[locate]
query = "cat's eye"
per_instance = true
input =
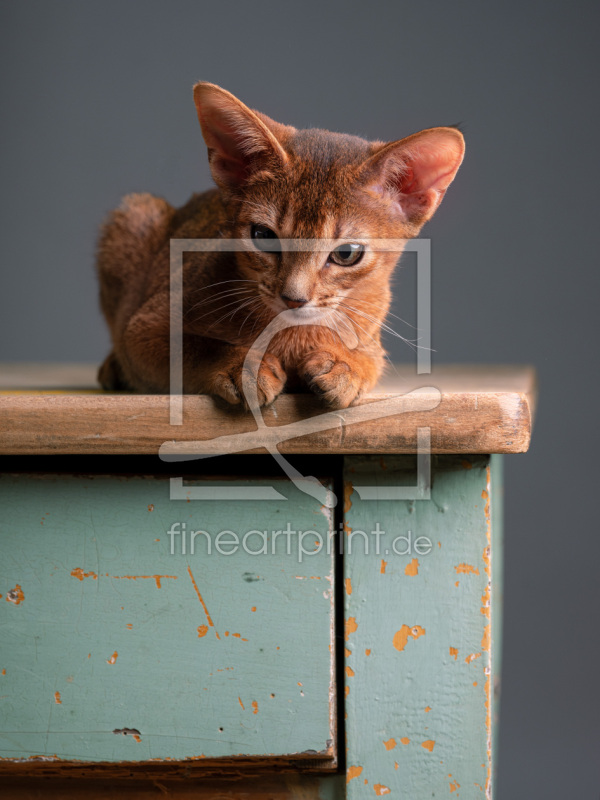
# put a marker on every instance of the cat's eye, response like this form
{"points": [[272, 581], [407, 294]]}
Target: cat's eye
{"points": [[265, 239], [346, 255]]}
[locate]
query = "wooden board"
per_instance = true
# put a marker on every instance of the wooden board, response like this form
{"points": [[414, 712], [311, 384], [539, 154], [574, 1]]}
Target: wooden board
{"points": [[123, 644], [422, 630], [466, 409]]}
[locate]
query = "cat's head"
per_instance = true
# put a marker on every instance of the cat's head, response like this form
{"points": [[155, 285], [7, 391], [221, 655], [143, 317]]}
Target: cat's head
{"points": [[330, 193]]}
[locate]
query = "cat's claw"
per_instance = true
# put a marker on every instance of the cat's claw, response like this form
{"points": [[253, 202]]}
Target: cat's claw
{"points": [[268, 381], [333, 379]]}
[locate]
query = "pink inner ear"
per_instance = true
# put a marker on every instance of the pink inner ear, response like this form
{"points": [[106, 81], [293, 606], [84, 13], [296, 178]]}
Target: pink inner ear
{"points": [[430, 164]]}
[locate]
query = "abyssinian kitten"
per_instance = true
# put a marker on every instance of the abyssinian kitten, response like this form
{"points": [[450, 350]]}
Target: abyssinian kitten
{"points": [[274, 182]]}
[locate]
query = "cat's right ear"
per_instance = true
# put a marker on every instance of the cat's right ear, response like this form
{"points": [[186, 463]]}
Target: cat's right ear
{"points": [[417, 170], [239, 142]]}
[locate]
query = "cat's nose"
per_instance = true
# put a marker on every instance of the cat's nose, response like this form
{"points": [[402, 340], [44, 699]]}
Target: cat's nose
{"points": [[291, 303]]}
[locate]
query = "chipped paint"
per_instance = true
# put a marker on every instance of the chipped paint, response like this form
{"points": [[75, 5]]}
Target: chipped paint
{"points": [[405, 740], [406, 631], [242, 705], [380, 789], [80, 574], [348, 489], [453, 652], [202, 603], [349, 672], [254, 707], [427, 709], [429, 744], [454, 785], [57, 699], [412, 569], [353, 772], [151, 507], [202, 630], [348, 585], [136, 737], [253, 608], [368, 651], [466, 569], [350, 626], [113, 658], [383, 566], [390, 744], [471, 657], [15, 595]]}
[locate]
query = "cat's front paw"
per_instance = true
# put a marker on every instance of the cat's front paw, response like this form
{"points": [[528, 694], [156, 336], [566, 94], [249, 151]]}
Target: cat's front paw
{"points": [[269, 380], [338, 380]]}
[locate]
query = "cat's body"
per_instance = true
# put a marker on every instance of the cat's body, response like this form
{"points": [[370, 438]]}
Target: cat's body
{"points": [[274, 183]]}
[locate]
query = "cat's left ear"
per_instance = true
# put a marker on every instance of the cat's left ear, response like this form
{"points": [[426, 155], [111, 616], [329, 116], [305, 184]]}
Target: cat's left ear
{"points": [[417, 170]]}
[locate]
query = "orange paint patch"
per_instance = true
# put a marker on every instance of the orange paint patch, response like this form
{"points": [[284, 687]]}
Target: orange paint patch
{"points": [[466, 569], [129, 625], [486, 639], [383, 566], [349, 672], [368, 651], [3, 672], [474, 683], [429, 745], [240, 702], [427, 709], [454, 786], [401, 637], [254, 707], [353, 772], [348, 585], [346, 691], [57, 699], [80, 574], [454, 652], [347, 652], [350, 626], [202, 630], [380, 789], [151, 507], [390, 744], [253, 608], [412, 569], [405, 740], [457, 583], [471, 657], [395, 765], [113, 658], [136, 737], [348, 489]]}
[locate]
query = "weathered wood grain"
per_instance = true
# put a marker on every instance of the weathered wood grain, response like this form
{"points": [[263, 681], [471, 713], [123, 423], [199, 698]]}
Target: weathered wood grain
{"points": [[467, 409]]}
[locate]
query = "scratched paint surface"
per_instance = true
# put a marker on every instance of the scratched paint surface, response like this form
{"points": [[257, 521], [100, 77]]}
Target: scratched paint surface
{"points": [[419, 682], [114, 649]]}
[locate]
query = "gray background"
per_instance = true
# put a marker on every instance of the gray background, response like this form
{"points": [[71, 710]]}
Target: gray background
{"points": [[96, 102]]}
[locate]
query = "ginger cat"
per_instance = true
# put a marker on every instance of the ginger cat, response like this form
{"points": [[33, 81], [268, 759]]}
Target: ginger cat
{"points": [[274, 182]]}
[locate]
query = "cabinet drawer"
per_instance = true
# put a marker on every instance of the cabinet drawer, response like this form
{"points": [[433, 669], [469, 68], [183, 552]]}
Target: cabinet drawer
{"points": [[127, 639]]}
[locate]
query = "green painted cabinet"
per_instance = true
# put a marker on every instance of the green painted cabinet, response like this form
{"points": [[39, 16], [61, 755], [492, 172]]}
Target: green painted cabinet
{"points": [[230, 635]]}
